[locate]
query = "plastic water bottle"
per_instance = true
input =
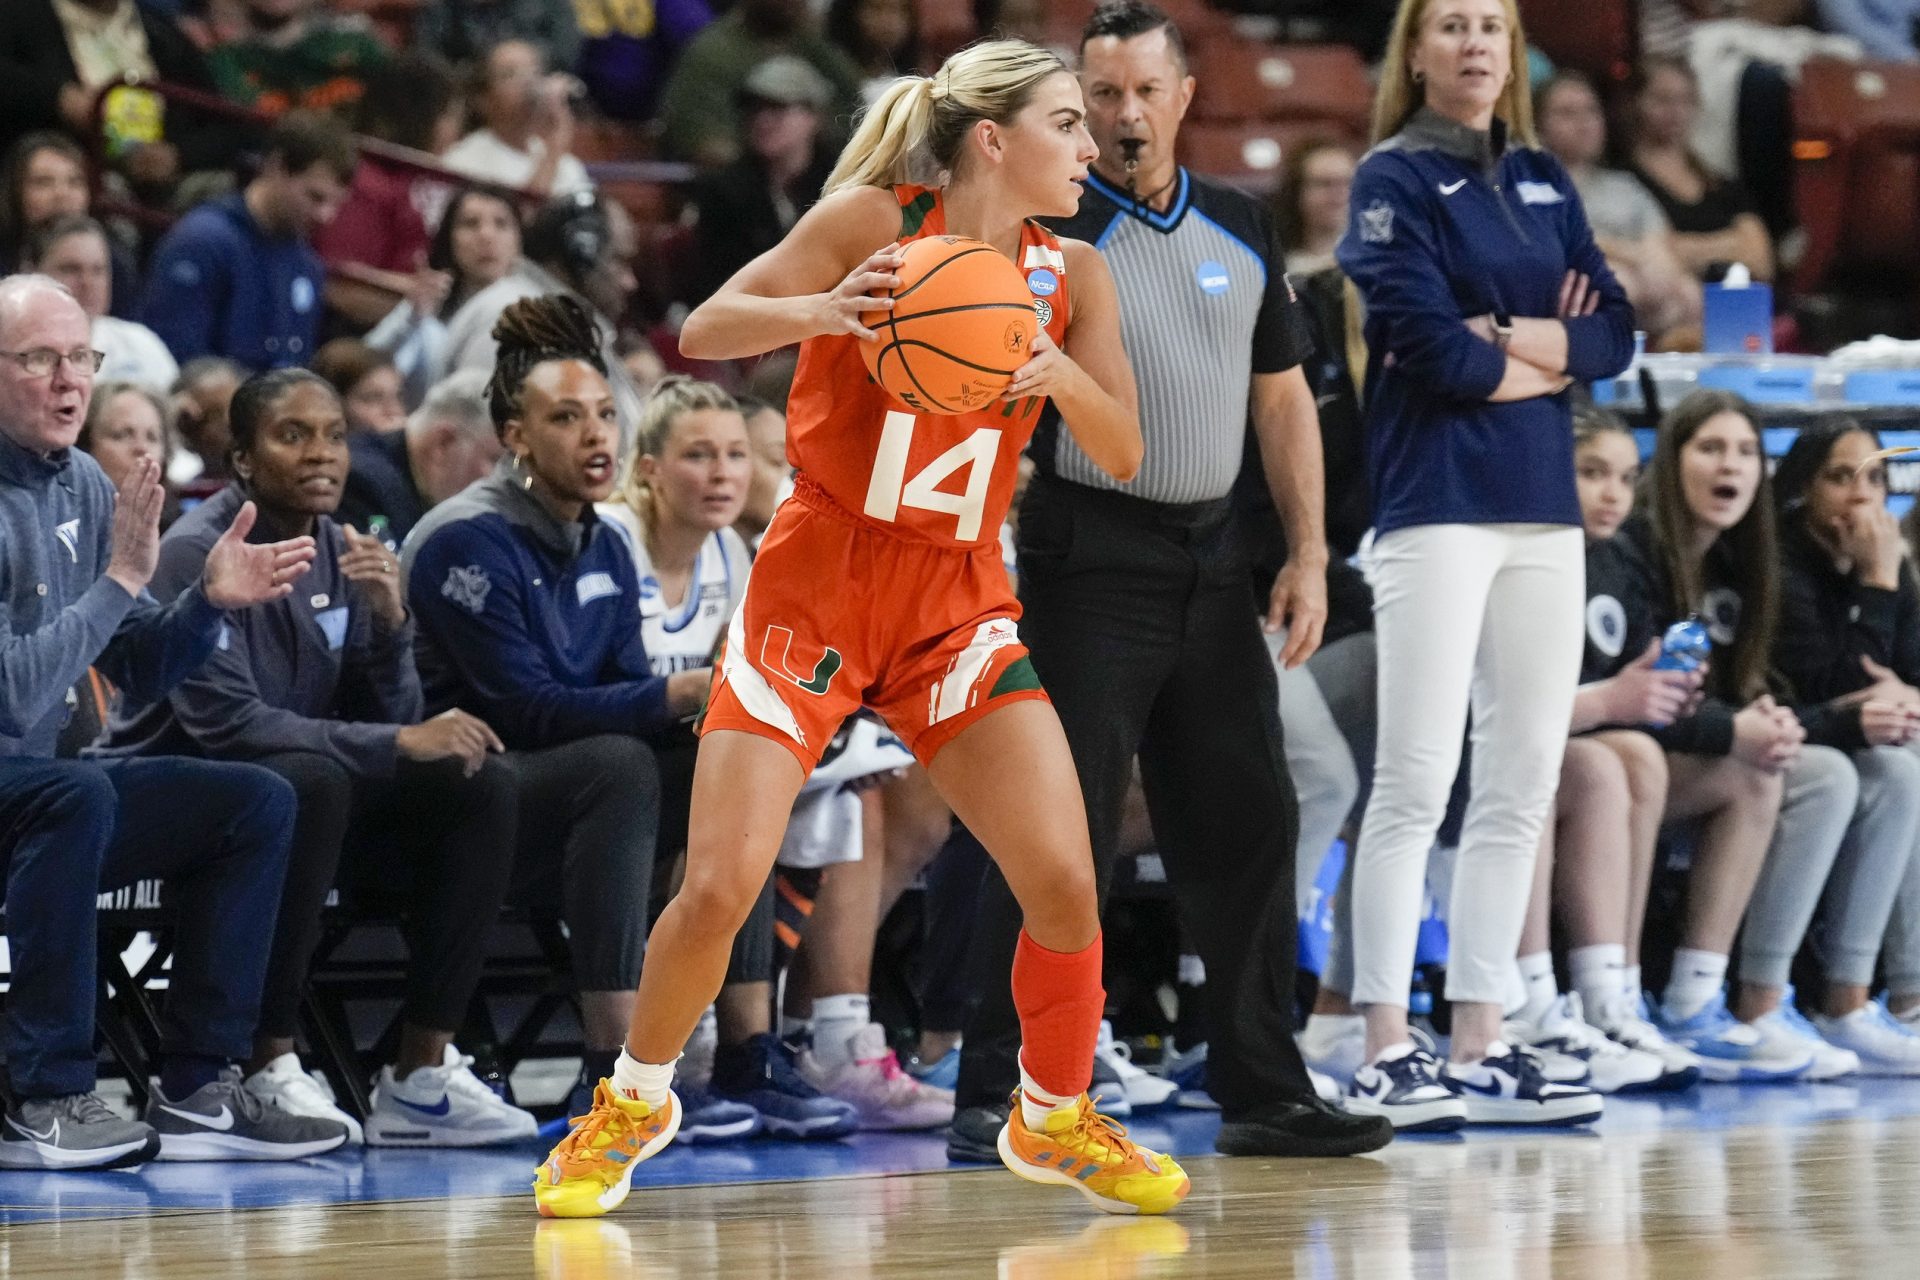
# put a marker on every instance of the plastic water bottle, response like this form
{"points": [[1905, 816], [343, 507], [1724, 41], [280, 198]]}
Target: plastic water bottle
{"points": [[1685, 646]]}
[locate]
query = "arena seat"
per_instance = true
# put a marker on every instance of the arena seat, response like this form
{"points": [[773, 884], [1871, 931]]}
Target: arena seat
{"points": [[1857, 171], [1599, 37], [1257, 80], [1250, 154]]}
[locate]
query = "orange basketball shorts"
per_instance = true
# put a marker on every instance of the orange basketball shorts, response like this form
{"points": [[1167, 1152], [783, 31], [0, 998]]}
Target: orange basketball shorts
{"points": [[838, 616]]}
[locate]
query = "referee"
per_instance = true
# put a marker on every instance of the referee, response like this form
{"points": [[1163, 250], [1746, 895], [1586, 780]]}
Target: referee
{"points": [[1136, 608]]}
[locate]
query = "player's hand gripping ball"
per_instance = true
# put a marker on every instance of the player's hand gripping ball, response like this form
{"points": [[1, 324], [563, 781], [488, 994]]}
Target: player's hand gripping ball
{"points": [[962, 322]]}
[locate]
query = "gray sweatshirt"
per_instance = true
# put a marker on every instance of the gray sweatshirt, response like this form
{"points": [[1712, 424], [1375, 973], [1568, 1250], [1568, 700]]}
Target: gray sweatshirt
{"points": [[60, 613], [312, 672]]}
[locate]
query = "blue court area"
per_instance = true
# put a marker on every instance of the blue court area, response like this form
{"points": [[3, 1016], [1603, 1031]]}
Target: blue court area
{"points": [[371, 1175]]}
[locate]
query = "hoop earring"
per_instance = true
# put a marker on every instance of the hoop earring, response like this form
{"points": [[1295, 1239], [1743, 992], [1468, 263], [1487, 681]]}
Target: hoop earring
{"points": [[520, 468]]}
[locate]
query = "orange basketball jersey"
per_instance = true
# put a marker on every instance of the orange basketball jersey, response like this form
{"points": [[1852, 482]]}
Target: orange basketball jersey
{"points": [[932, 478]]}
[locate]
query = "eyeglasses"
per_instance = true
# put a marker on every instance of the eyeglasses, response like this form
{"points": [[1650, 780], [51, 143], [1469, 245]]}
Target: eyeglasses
{"points": [[41, 361]]}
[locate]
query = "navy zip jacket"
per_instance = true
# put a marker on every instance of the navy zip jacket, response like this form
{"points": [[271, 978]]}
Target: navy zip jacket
{"points": [[1449, 223], [531, 624], [60, 613], [310, 672], [1829, 620], [219, 285]]}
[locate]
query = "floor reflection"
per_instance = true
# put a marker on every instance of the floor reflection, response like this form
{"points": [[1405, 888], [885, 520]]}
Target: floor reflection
{"points": [[1807, 1195]]}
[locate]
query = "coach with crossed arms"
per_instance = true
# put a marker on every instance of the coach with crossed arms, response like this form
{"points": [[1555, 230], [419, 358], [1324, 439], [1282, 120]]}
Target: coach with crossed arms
{"points": [[1135, 600]]}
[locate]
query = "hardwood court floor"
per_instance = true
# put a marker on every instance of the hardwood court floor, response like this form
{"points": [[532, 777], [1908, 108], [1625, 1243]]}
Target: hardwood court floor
{"points": [[1798, 1188]]}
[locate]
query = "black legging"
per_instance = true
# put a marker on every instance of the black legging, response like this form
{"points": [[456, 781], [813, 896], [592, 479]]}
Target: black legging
{"points": [[444, 839]]}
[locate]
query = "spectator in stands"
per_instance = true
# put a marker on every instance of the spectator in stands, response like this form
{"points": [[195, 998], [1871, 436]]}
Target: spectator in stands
{"points": [[78, 558], [55, 57], [1012, 20], [1887, 27], [476, 244], [626, 50], [577, 245], [1707, 547], [527, 138], [528, 617], [201, 398], [238, 277], [380, 233], [881, 36], [1849, 645], [464, 30], [1628, 223], [448, 443], [73, 249], [127, 422], [368, 385], [321, 689], [772, 477], [748, 207], [699, 113], [297, 55], [1310, 208], [45, 177], [1713, 218]]}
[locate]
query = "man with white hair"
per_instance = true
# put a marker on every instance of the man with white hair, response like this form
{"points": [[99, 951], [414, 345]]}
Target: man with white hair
{"points": [[449, 442], [75, 559]]}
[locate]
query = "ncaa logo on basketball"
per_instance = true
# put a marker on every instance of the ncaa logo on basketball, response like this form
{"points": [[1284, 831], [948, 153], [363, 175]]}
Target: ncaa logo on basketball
{"points": [[1043, 283], [1043, 311], [1212, 278]]}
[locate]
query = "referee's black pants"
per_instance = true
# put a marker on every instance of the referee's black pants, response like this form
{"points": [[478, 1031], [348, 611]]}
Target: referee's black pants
{"points": [[1143, 634]]}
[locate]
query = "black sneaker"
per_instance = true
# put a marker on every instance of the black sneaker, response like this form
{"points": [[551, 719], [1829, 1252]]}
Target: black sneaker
{"points": [[73, 1131], [974, 1136], [761, 1075], [1302, 1127], [223, 1121]]}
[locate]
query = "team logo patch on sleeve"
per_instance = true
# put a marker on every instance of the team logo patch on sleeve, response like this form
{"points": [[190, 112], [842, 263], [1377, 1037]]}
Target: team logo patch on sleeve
{"points": [[593, 586], [1539, 193], [467, 586], [1376, 223]]}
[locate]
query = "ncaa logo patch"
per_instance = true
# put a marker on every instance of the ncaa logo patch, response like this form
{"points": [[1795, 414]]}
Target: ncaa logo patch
{"points": [[1212, 278], [1042, 283], [1043, 311], [1606, 625]]}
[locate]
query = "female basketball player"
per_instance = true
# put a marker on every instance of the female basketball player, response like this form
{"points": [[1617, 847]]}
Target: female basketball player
{"points": [[880, 584]]}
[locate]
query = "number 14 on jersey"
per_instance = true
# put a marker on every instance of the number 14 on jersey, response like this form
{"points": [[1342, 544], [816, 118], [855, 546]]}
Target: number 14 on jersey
{"points": [[891, 489]]}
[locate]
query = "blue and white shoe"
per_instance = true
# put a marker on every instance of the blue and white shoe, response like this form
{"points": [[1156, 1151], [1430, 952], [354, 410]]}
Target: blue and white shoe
{"points": [[1786, 1027], [706, 1117], [1506, 1087], [443, 1106], [942, 1073], [1885, 1045], [1403, 1084], [1732, 1052], [762, 1075]]}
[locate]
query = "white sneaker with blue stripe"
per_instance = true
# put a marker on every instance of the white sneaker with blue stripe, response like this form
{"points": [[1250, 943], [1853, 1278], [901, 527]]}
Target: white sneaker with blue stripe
{"points": [[1403, 1084], [1885, 1045], [443, 1106], [1786, 1027], [1731, 1051], [1507, 1087]]}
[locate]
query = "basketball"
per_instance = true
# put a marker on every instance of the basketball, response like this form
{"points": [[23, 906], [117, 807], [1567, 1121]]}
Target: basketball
{"points": [[962, 322]]}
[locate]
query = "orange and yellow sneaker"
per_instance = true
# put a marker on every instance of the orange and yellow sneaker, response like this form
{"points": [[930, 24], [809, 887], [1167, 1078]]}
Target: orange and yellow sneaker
{"points": [[1087, 1151], [589, 1173]]}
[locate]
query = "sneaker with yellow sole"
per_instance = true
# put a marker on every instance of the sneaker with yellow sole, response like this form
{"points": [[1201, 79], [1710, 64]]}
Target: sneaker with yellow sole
{"points": [[1087, 1151], [591, 1170]]}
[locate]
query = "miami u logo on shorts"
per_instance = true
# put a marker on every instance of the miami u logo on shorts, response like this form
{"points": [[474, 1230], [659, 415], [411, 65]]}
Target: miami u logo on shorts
{"points": [[776, 655]]}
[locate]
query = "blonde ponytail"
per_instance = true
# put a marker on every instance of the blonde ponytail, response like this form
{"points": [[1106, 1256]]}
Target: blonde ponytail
{"points": [[881, 150], [919, 126]]}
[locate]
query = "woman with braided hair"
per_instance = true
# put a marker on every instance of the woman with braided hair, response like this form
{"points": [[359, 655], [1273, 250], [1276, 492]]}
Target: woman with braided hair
{"points": [[525, 606], [868, 592]]}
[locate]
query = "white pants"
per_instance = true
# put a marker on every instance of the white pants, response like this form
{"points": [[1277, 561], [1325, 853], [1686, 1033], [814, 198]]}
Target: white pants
{"points": [[1488, 616]]}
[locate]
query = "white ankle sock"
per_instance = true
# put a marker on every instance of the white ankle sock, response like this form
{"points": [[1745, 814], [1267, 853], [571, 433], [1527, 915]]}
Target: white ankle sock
{"points": [[1599, 975], [1036, 1104], [1542, 988], [1697, 977], [836, 1020], [643, 1081]]}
